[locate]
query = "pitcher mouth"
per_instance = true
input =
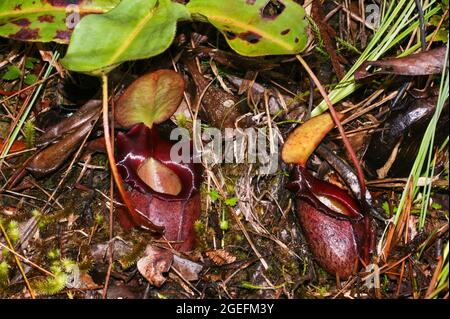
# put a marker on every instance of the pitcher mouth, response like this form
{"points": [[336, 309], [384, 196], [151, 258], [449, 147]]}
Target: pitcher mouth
{"points": [[325, 197], [141, 143]]}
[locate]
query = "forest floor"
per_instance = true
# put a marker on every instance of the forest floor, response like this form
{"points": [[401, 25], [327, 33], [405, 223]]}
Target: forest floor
{"points": [[248, 241]]}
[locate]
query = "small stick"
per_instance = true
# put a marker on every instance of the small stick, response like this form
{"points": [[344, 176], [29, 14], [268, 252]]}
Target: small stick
{"points": [[110, 244]]}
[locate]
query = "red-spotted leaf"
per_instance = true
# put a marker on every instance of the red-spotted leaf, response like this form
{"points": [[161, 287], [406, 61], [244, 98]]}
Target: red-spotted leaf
{"points": [[256, 27], [46, 20], [151, 99]]}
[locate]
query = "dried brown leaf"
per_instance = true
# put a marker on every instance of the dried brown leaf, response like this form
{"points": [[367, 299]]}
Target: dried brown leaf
{"points": [[220, 257], [155, 265]]}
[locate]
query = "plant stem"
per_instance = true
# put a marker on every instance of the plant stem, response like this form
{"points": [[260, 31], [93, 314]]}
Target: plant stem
{"points": [[338, 123], [111, 220], [109, 145]]}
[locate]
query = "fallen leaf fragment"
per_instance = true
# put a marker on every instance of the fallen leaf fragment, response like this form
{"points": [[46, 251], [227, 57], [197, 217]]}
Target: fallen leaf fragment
{"points": [[86, 113], [54, 156], [188, 269], [423, 63], [17, 146], [220, 257], [155, 265]]}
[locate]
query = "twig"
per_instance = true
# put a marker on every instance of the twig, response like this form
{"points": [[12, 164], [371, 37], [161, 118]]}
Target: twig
{"points": [[325, 30], [110, 243], [20, 119], [433, 36], [10, 95], [185, 280], [69, 168]]}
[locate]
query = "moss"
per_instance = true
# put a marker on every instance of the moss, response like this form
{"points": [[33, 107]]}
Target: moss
{"points": [[51, 285], [53, 254], [12, 229], [29, 133], [4, 273], [132, 257], [199, 227]]}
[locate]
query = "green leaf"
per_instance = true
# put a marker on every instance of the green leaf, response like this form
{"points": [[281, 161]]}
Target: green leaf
{"points": [[214, 195], [151, 99], [12, 73], [135, 29], [29, 63], [224, 225], [46, 20], [256, 27], [385, 206], [436, 206], [441, 36], [434, 20], [30, 79], [231, 201]]}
